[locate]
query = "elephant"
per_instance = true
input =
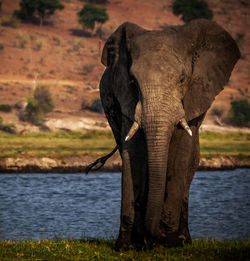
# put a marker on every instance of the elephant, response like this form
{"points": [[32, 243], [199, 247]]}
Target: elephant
{"points": [[156, 89]]}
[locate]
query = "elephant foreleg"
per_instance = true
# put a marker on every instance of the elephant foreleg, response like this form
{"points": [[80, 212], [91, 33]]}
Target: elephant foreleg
{"points": [[174, 221], [134, 191]]}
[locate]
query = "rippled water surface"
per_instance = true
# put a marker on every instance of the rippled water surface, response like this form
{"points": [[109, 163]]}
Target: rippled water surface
{"points": [[48, 206]]}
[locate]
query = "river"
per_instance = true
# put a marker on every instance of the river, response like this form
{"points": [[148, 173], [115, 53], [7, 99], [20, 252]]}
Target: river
{"points": [[63, 206]]}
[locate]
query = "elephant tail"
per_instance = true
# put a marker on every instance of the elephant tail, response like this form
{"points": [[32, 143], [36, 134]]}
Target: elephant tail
{"points": [[100, 162]]}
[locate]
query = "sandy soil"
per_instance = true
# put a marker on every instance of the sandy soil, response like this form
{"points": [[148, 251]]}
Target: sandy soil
{"points": [[69, 57]]}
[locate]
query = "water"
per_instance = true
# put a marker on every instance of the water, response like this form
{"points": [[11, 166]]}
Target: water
{"points": [[49, 206]]}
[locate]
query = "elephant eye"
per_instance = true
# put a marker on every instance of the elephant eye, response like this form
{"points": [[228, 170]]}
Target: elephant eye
{"points": [[134, 86]]}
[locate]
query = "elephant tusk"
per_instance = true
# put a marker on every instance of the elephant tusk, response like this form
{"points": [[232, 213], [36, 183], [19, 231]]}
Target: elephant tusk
{"points": [[184, 124], [132, 131]]}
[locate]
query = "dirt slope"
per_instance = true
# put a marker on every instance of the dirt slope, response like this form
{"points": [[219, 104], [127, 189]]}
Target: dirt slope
{"points": [[67, 58]]}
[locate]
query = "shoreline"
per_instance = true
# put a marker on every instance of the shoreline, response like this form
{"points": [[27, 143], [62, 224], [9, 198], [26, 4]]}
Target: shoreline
{"points": [[114, 164]]}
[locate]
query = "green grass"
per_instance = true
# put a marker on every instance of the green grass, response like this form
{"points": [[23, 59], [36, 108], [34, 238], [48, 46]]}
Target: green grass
{"points": [[55, 145], [60, 145], [104, 250], [225, 144]]}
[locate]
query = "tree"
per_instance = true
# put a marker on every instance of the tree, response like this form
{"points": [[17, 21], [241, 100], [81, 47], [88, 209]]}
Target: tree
{"points": [[90, 14], [96, 1], [239, 113], [43, 8], [192, 9]]}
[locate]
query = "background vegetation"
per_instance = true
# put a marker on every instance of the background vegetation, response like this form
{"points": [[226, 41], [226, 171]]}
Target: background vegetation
{"points": [[239, 114], [42, 8], [38, 105], [90, 15], [62, 144], [192, 9]]}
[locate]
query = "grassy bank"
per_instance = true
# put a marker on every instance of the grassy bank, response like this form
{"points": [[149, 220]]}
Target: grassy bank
{"points": [[61, 145], [104, 250]]}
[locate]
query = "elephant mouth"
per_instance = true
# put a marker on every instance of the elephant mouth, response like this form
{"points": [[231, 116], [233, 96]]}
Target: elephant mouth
{"points": [[136, 124]]}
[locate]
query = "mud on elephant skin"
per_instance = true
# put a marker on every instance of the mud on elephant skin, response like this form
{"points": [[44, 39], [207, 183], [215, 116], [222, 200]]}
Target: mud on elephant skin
{"points": [[155, 92]]}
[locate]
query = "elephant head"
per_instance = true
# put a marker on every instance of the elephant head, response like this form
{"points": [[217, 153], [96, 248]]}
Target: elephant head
{"points": [[162, 80]]}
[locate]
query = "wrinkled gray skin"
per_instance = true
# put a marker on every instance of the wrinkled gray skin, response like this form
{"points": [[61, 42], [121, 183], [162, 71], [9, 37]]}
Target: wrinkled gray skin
{"points": [[157, 78]]}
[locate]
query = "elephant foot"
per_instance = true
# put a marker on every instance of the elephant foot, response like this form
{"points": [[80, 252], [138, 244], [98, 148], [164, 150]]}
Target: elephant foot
{"points": [[128, 241], [172, 239], [122, 244]]}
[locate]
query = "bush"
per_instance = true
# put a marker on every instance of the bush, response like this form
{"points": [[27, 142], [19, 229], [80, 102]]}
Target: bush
{"points": [[85, 105], [57, 40], [44, 98], [39, 44], [38, 105], [239, 113], [10, 21], [1, 46], [10, 128], [96, 1], [96, 106], [77, 45], [192, 9], [5, 107], [217, 110], [21, 40], [33, 114]]}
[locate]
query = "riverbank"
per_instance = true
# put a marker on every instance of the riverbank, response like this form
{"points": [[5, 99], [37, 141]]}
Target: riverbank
{"points": [[64, 152], [114, 164], [104, 250]]}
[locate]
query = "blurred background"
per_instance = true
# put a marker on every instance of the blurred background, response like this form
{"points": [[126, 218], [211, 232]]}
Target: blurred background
{"points": [[50, 64]]}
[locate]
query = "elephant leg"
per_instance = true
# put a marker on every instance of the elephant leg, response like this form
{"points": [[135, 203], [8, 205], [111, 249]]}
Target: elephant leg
{"points": [[175, 206], [127, 204], [134, 186], [183, 228]]}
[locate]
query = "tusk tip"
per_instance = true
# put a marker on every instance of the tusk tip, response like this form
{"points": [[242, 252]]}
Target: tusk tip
{"points": [[127, 138], [190, 132]]}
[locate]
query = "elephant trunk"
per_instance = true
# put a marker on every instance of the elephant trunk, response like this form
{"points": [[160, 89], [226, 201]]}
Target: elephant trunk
{"points": [[158, 132]]}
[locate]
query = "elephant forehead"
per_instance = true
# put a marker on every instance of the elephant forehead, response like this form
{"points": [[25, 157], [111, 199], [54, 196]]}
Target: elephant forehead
{"points": [[156, 41], [158, 48]]}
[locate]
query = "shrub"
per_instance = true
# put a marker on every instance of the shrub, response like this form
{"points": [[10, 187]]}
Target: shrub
{"points": [[192, 9], [1, 46], [217, 110], [33, 114], [85, 105], [77, 45], [21, 39], [1, 120], [5, 107], [43, 96], [88, 68], [10, 21], [96, 106], [90, 14], [57, 40], [38, 105], [96, 1], [39, 44], [239, 113]]}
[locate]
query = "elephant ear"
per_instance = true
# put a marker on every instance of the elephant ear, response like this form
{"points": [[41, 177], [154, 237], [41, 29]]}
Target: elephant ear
{"points": [[213, 54], [112, 47]]}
